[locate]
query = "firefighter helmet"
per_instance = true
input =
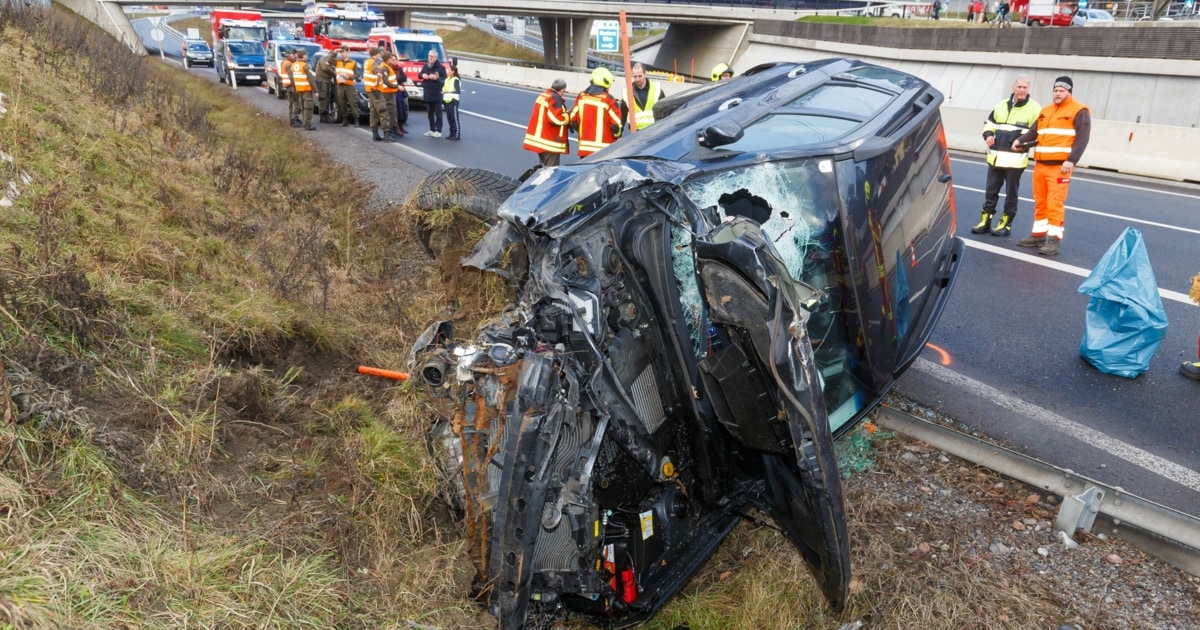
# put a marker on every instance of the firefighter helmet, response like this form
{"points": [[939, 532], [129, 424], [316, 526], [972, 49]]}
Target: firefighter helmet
{"points": [[720, 70], [602, 77]]}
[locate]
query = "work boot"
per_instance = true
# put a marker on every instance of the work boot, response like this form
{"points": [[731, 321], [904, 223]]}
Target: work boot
{"points": [[375, 135], [1033, 240], [296, 122], [346, 122], [1190, 369], [391, 137], [1051, 247], [985, 223], [312, 127], [402, 129], [1004, 227]]}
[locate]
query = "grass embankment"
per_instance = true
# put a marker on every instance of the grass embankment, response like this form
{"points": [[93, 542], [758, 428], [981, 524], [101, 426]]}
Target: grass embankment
{"points": [[473, 40], [185, 288]]}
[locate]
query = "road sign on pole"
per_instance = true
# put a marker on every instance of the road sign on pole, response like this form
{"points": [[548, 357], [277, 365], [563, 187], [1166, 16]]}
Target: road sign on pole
{"points": [[606, 40]]}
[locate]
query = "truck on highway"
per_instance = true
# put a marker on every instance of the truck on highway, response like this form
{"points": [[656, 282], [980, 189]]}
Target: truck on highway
{"points": [[412, 48], [1043, 12], [230, 24], [346, 25]]}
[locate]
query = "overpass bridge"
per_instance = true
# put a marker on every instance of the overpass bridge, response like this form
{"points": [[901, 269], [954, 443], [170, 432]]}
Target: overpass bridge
{"points": [[705, 34]]}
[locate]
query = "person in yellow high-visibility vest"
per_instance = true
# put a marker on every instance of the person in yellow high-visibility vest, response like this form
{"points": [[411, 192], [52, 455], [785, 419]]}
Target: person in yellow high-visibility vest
{"points": [[645, 94]]}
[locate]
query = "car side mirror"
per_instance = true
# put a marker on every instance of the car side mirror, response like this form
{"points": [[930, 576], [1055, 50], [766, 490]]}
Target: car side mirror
{"points": [[719, 135]]}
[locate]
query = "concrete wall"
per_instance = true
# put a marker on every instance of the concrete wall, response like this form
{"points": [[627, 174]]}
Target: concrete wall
{"points": [[109, 17], [972, 89]]}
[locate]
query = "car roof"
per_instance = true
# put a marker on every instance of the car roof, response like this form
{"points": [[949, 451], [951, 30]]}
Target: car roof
{"points": [[834, 106]]}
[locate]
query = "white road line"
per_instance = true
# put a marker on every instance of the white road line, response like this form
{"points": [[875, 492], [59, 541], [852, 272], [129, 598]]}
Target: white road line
{"points": [[1118, 217], [1166, 294], [1132, 454], [1104, 182], [505, 122]]}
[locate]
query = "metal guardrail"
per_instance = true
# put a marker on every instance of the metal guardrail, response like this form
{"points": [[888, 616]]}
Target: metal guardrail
{"points": [[1156, 529]]}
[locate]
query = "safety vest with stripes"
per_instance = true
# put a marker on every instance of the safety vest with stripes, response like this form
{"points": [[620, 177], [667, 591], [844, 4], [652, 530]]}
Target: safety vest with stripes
{"points": [[344, 71], [1056, 131], [1007, 123], [452, 90], [547, 129], [370, 77], [387, 79], [300, 76], [599, 120], [285, 73], [643, 116]]}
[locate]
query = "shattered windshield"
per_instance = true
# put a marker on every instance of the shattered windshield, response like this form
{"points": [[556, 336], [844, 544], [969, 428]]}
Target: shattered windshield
{"points": [[798, 206]]}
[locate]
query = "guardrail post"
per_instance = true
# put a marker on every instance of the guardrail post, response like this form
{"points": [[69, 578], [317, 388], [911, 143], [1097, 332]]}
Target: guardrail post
{"points": [[1079, 511]]}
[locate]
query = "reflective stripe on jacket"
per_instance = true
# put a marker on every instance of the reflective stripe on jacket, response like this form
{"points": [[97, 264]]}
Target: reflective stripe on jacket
{"points": [[1007, 122], [599, 119], [1056, 131], [285, 73], [370, 77], [387, 79], [644, 116], [300, 76], [452, 89], [547, 129], [344, 71]]}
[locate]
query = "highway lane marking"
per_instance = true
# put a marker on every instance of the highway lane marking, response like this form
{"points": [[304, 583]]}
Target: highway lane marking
{"points": [[1132, 454], [1166, 294], [1101, 214], [504, 122], [1106, 183]]}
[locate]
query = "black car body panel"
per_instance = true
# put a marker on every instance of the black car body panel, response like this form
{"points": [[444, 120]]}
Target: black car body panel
{"points": [[703, 306]]}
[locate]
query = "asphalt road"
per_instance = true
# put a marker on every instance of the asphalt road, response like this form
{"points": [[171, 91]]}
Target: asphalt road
{"points": [[1005, 360]]}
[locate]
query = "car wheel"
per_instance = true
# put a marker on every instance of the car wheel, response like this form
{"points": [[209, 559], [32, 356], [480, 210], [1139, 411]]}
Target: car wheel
{"points": [[186, 65], [478, 192], [333, 114]]}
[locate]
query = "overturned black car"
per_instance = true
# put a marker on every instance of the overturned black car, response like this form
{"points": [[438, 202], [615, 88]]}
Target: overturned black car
{"points": [[701, 309]]}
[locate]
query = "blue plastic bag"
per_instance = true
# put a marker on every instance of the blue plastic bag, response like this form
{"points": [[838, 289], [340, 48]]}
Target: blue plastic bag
{"points": [[1125, 318]]}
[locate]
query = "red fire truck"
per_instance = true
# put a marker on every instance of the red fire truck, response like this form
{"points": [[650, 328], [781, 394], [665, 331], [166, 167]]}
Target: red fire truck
{"points": [[412, 48], [234, 24], [332, 25], [1043, 12]]}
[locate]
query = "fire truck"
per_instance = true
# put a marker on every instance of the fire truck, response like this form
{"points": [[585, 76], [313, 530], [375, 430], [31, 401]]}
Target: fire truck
{"points": [[233, 24], [333, 25], [412, 48], [1043, 12]]}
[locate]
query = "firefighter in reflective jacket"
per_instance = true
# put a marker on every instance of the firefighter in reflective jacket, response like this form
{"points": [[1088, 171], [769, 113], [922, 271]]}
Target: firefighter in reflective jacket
{"points": [[596, 116], [1062, 131], [1009, 119], [645, 94], [546, 133]]}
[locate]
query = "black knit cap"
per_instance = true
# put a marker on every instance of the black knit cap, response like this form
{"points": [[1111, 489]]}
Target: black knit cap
{"points": [[1065, 82]]}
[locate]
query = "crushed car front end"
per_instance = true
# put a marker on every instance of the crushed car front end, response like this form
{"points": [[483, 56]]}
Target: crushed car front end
{"points": [[700, 309]]}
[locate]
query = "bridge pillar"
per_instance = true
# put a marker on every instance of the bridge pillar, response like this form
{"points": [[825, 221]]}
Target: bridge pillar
{"points": [[110, 17], [581, 35], [693, 49], [398, 17]]}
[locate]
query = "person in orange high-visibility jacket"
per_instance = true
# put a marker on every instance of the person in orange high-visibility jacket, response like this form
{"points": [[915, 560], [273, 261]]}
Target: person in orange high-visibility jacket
{"points": [[546, 133], [344, 71], [596, 116], [285, 86], [1062, 131], [303, 80], [371, 85]]}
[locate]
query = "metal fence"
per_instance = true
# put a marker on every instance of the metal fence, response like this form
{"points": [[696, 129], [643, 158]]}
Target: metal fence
{"points": [[1147, 43]]}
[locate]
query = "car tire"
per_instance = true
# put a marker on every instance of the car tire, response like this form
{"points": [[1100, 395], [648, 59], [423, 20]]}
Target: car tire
{"points": [[186, 65], [478, 191], [270, 88]]}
